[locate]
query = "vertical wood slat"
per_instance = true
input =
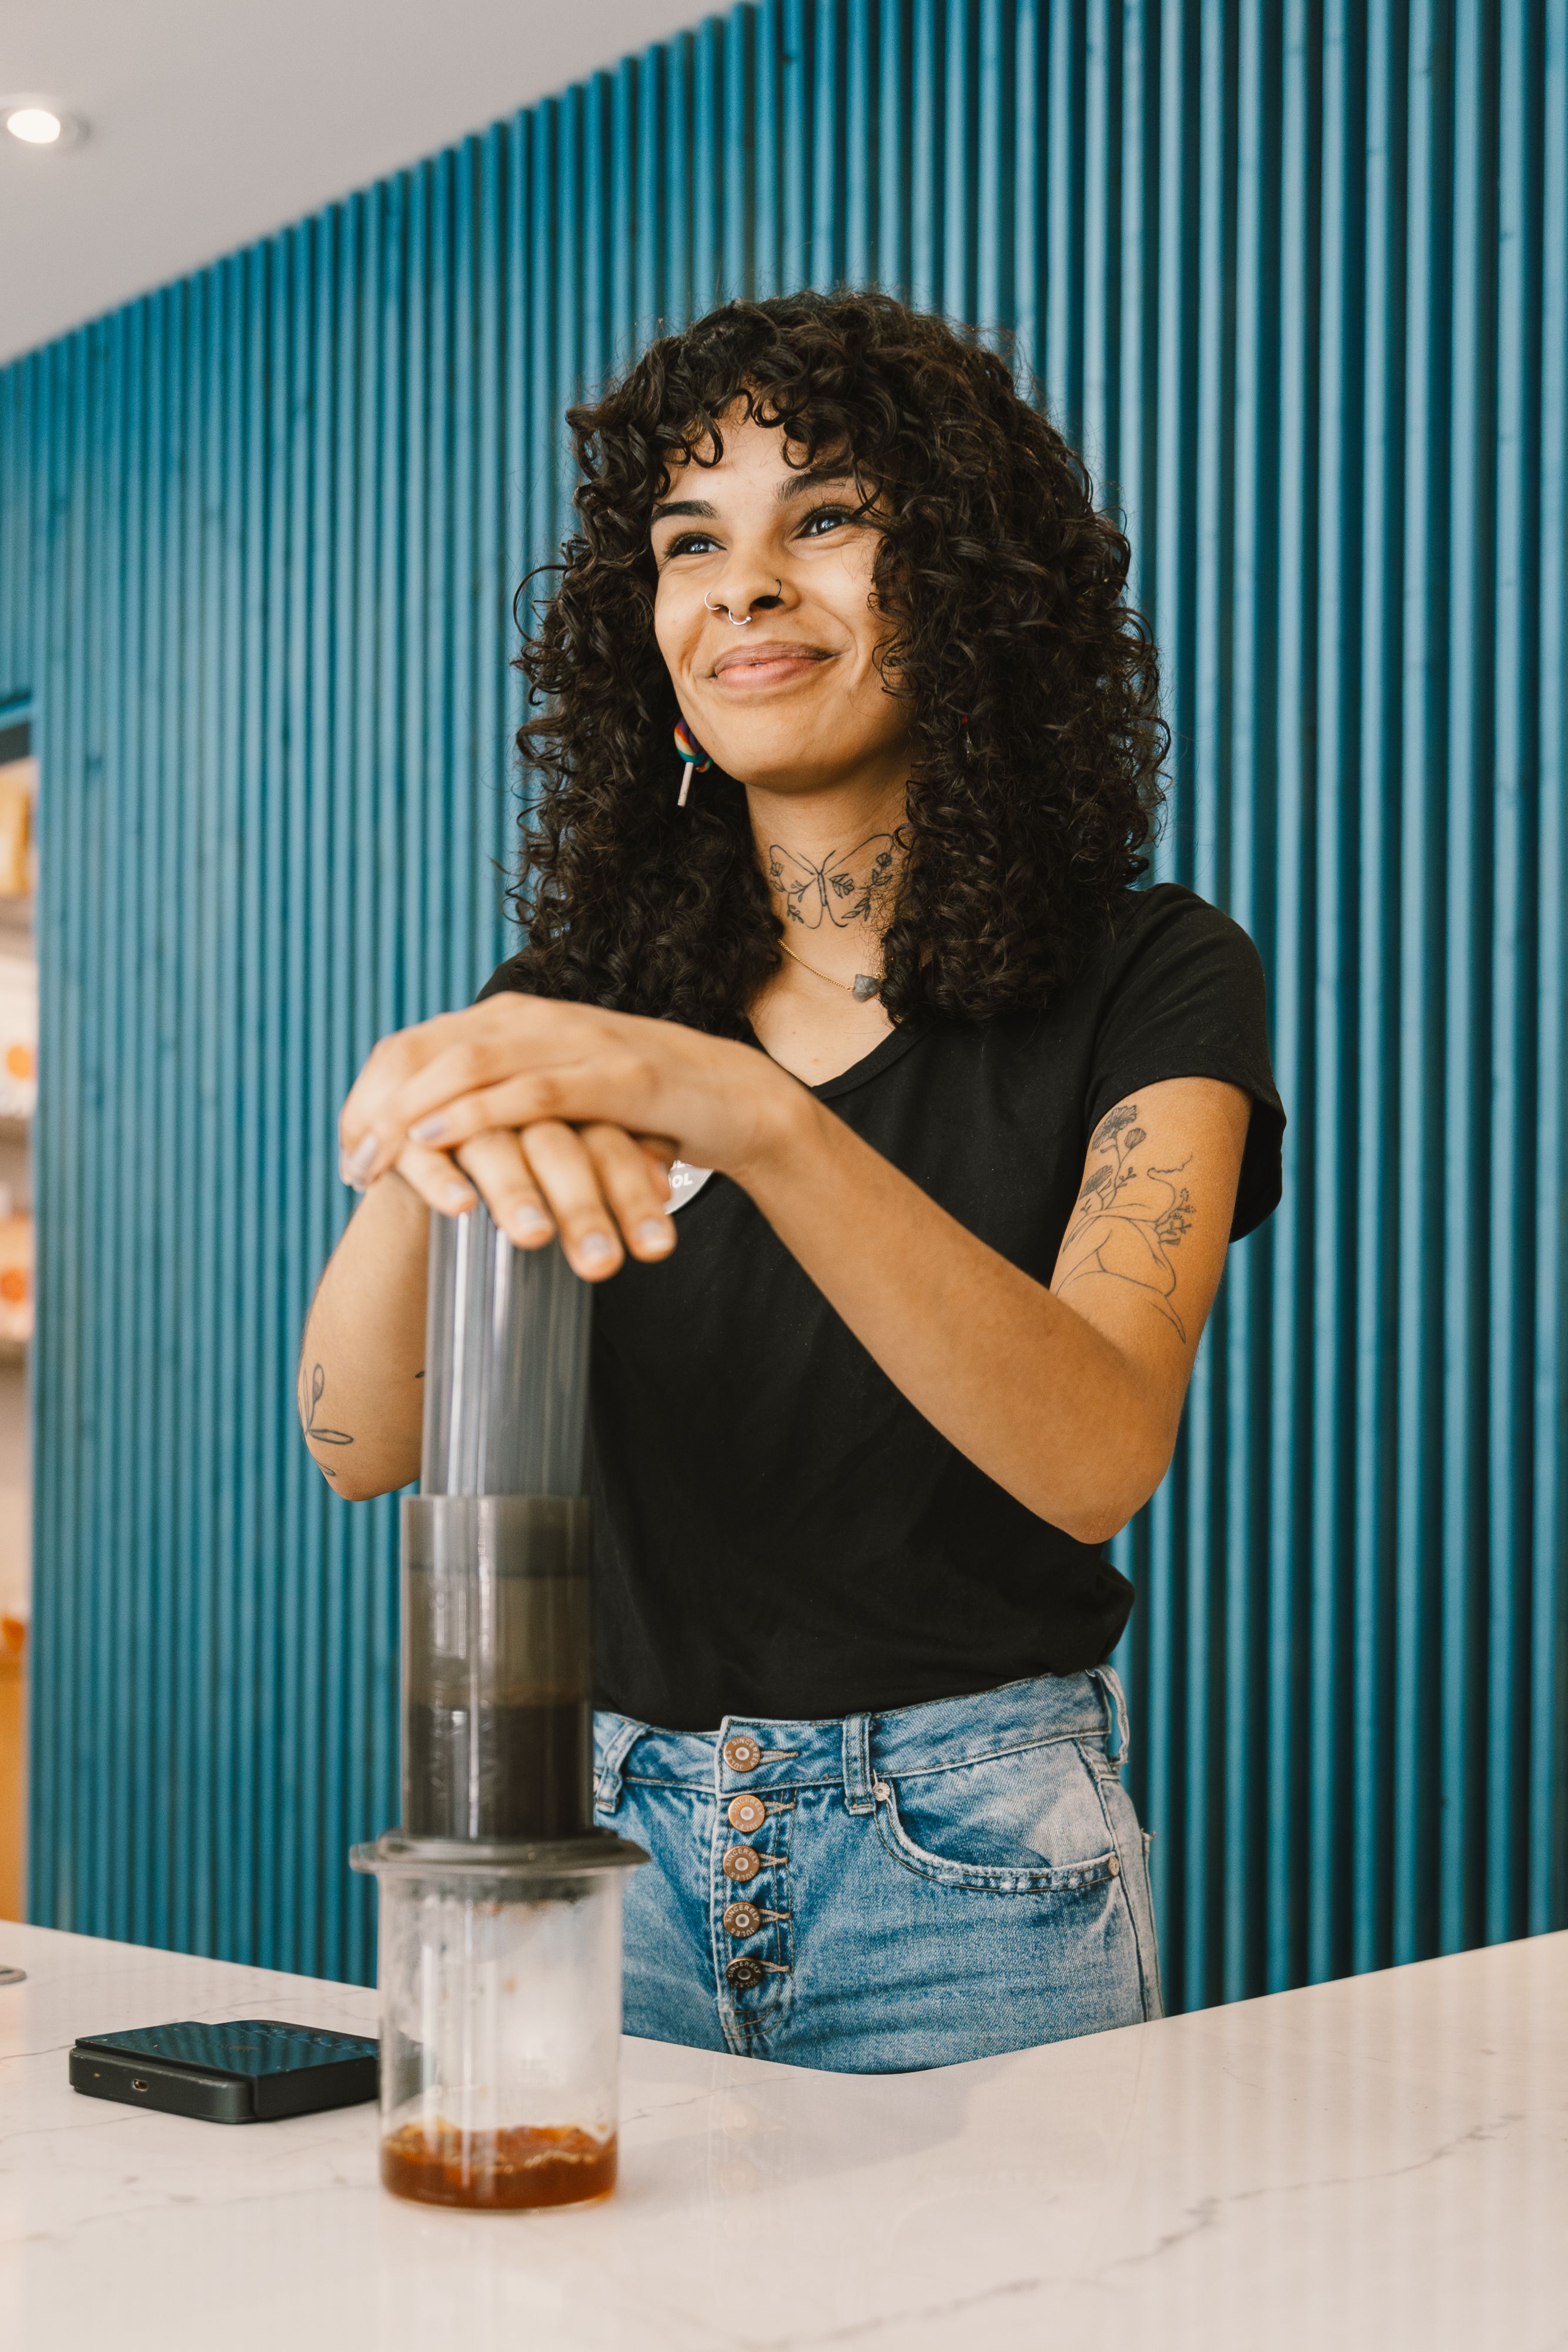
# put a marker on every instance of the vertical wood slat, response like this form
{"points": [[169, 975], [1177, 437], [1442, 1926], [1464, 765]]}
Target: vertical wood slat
{"points": [[1298, 278]]}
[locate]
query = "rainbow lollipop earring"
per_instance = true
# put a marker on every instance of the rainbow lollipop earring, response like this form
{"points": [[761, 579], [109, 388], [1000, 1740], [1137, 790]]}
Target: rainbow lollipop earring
{"points": [[691, 752]]}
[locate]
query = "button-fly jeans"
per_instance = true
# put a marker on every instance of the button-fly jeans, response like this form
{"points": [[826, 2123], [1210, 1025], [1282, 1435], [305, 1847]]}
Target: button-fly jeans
{"points": [[886, 1892]]}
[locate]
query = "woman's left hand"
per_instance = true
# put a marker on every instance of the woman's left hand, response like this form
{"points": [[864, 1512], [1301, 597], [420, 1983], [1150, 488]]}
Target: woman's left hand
{"points": [[538, 1103]]}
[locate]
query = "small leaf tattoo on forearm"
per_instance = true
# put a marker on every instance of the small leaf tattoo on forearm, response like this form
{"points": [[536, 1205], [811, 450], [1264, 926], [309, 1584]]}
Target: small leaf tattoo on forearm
{"points": [[1128, 1220], [309, 1402]]}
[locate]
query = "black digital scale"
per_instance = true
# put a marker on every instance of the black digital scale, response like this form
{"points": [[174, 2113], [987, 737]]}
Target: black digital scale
{"points": [[254, 2070]]}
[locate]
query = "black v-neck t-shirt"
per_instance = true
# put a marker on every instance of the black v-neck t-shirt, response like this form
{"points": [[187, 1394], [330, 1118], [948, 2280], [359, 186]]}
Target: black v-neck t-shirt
{"points": [[778, 1532]]}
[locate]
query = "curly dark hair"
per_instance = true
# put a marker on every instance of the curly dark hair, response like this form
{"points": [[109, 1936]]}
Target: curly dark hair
{"points": [[1032, 686]]}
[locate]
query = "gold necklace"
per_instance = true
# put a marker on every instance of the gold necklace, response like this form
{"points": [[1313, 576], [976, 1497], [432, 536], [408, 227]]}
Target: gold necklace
{"points": [[862, 988]]}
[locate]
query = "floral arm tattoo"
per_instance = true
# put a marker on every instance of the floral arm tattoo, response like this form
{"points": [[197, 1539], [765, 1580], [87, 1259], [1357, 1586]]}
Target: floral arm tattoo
{"points": [[1129, 1217]]}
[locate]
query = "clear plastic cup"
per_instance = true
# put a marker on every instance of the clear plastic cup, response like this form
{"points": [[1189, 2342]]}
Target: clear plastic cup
{"points": [[500, 1984]]}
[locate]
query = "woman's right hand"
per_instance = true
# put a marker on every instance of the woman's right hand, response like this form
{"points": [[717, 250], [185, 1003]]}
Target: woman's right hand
{"points": [[564, 1119], [563, 1116], [601, 1190]]}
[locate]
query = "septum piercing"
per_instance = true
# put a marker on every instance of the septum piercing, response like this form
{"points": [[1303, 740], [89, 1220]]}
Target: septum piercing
{"points": [[746, 618]]}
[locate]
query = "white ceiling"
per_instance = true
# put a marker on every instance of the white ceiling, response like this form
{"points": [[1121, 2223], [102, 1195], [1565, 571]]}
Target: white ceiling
{"points": [[212, 122]]}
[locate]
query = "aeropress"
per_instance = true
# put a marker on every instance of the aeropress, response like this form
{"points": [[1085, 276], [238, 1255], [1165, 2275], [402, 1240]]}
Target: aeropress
{"points": [[499, 1901]]}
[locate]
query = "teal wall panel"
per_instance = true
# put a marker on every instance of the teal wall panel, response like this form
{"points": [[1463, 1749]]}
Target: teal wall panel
{"points": [[1295, 275]]}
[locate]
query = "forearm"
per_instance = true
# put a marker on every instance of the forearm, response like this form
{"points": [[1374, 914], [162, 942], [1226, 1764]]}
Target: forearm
{"points": [[1018, 1381], [363, 1360], [1073, 1406]]}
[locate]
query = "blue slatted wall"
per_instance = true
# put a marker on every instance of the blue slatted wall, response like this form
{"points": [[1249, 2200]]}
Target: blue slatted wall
{"points": [[1297, 277]]}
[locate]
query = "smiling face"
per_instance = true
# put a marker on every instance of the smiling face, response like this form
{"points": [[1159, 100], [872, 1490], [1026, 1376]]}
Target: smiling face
{"points": [[788, 700]]}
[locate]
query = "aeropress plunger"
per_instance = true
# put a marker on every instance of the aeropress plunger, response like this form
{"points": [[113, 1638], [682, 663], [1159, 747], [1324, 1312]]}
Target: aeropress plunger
{"points": [[500, 1902]]}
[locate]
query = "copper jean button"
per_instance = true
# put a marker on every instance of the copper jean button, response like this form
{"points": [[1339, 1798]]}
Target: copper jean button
{"points": [[741, 1862], [745, 1972], [741, 1918], [742, 1755], [746, 1813]]}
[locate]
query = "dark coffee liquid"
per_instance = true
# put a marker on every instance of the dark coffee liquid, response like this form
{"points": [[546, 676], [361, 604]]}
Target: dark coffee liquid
{"points": [[502, 1771], [504, 2171]]}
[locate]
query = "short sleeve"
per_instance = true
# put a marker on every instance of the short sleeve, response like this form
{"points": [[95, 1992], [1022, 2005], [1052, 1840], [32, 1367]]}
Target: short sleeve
{"points": [[1184, 997], [507, 979]]}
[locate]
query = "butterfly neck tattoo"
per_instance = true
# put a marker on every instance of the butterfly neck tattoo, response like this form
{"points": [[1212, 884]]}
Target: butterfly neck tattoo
{"points": [[847, 889]]}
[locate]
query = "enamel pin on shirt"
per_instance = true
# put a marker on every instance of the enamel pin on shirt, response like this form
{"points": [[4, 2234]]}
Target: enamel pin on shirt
{"points": [[685, 1181]]}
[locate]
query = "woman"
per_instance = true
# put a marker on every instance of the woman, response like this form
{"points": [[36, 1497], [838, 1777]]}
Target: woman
{"points": [[979, 1120]]}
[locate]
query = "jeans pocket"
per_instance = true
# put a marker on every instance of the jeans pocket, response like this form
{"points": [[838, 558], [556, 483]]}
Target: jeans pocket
{"points": [[1032, 1822]]}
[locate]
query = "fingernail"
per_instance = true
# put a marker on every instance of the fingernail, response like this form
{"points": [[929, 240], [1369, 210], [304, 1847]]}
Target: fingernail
{"points": [[429, 1130], [656, 1233], [358, 1163], [529, 1225], [594, 1249], [457, 1199]]}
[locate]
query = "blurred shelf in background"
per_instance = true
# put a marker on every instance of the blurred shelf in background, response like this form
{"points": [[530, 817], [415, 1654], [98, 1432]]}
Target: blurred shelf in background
{"points": [[13, 1765], [19, 1088]]}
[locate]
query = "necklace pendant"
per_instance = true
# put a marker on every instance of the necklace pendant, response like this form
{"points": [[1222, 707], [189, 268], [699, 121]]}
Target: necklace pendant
{"points": [[864, 986]]}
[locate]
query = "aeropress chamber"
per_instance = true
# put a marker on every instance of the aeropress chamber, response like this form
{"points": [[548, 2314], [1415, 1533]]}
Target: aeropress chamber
{"points": [[499, 1901]]}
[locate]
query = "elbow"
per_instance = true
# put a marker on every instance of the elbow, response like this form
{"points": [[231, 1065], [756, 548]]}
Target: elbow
{"points": [[353, 1482], [351, 1490], [1096, 1527], [1095, 1518]]}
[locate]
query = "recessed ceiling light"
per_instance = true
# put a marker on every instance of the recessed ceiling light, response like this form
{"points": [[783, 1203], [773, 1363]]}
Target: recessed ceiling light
{"points": [[39, 123]]}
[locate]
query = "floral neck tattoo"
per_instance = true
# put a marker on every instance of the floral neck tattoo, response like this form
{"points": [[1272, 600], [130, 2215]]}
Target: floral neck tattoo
{"points": [[844, 888]]}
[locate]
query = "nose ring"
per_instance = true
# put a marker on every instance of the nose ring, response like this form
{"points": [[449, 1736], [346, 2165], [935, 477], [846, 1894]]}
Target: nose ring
{"points": [[746, 618]]}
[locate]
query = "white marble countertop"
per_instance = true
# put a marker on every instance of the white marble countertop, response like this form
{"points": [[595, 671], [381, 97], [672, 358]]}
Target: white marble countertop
{"points": [[1382, 2163]]}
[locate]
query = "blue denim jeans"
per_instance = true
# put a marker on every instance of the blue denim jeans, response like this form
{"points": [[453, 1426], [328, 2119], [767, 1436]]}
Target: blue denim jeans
{"points": [[887, 1892]]}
